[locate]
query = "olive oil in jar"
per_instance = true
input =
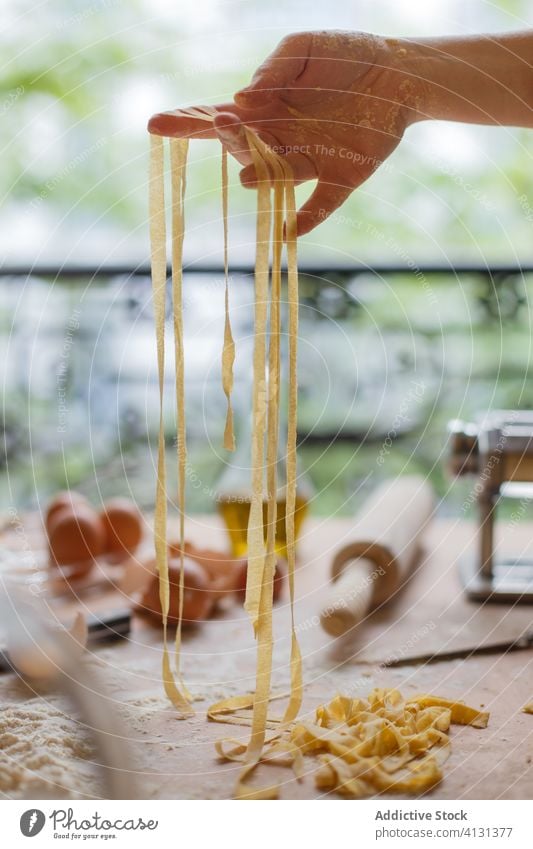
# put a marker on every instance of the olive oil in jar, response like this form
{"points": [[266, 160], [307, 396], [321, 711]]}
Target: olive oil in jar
{"points": [[234, 495], [235, 511]]}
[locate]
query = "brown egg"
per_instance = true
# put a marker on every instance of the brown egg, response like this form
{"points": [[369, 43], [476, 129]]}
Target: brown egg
{"points": [[223, 570], [67, 498], [279, 580], [123, 525], [75, 535], [197, 598]]}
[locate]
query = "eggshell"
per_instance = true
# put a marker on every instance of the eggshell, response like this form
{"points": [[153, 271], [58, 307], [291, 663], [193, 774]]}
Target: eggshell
{"points": [[197, 597], [66, 498], [279, 580], [123, 524], [75, 535], [221, 567]]}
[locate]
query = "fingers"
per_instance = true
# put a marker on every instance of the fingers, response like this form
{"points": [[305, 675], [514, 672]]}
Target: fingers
{"points": [[230, 130], [281, 68], [248, 177], [302, 169], [175, 125], [196, 122], [232, 133], [326, 198]]}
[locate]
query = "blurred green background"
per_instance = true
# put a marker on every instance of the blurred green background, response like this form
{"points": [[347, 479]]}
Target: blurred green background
{"points": [[382, 359]]}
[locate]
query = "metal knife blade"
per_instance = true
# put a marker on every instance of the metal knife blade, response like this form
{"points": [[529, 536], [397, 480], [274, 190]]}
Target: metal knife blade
{"points": [[525, 641]]}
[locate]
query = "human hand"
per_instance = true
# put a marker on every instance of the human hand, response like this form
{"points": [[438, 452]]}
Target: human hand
{"points": [[333, 104]]}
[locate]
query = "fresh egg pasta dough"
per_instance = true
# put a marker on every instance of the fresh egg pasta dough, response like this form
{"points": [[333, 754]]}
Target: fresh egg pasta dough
{"points": [[177, 695], [228, 350], [384, 742], [178, 162], [292, 294]]}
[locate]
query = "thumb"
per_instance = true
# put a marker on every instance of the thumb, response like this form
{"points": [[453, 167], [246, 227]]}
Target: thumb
{"points": [[281, 68], [325, 199]]}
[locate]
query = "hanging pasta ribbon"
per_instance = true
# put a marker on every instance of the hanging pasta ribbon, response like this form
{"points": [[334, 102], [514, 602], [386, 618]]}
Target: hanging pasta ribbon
{"points": [[266, 399], [159, 279], [284, 208], [296, 694], [265, 411], [179, 149], [228, 350], [258, 599], [259, 584]]}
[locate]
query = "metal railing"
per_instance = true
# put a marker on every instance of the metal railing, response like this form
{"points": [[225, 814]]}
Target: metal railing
{"points": [[494, 271], [357, 411], [500, 292]]}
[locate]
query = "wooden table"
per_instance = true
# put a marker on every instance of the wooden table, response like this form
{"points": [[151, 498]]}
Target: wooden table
{"points": [[176, 759]]}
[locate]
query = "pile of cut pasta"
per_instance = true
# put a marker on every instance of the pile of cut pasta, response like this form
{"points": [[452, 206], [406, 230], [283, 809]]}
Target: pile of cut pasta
{"points": [[364, 746], [382, 743]]}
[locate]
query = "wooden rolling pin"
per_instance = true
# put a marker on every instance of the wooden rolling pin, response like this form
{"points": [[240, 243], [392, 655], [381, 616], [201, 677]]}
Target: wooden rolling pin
{"points": [[386, 545]]}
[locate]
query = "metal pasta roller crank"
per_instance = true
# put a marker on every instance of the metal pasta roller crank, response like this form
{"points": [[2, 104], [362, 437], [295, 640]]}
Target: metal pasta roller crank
{"points": [[499, 451]]}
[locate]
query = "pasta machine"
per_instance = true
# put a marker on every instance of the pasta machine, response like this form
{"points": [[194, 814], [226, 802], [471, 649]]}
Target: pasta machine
{"points": [[498, 450]]}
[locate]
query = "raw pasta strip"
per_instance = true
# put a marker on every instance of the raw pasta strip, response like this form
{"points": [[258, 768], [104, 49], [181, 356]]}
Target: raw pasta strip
{"points": [[178, 161], [461, 713], [264, 628], [295, 700], [259, 581], [159, 276], [228, 350], [284, 200], [266, 165], [265, 403], [202, 113], [273, 381], [255, 538], [226, 711]]}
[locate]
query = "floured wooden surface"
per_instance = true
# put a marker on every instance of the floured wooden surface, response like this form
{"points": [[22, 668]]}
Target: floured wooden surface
{"points": [[44, 752], [176, 759]]}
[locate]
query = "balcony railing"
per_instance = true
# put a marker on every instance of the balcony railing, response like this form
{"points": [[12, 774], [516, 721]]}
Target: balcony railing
{"points": [[388, 353]]}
